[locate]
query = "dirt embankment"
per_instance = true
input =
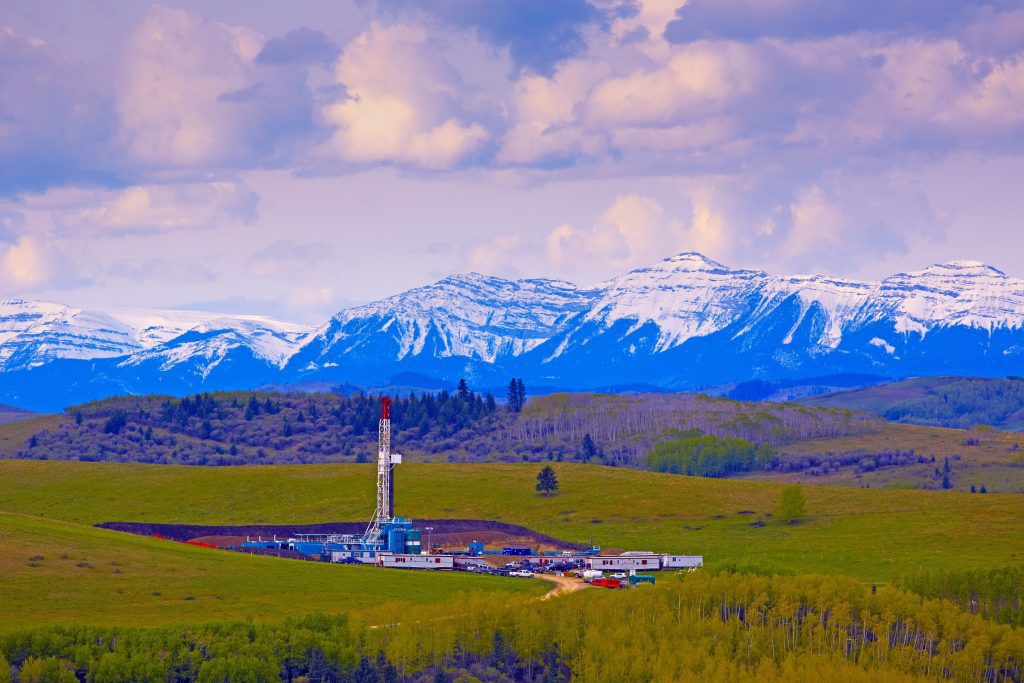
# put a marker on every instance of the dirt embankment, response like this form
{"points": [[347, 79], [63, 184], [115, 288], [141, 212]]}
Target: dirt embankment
{"points": [[447, 532]]}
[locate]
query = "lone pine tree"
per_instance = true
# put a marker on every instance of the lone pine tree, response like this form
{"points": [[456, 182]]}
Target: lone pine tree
{"points": [[547, 482]]}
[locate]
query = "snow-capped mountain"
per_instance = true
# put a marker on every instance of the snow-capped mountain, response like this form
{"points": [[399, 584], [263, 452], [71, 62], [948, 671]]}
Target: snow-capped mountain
{"points": [[462, 319], [684, 322], [35, 333]]}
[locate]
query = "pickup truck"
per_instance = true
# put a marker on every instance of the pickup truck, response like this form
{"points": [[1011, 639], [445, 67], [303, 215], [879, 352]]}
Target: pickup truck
{"points": [[522, 573]]}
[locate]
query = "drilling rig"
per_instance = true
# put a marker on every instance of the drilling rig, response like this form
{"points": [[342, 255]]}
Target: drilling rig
{"points": [[386, 461]]}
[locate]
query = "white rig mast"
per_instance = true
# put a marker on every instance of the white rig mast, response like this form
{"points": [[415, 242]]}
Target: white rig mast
{"points": [[386, 461]]}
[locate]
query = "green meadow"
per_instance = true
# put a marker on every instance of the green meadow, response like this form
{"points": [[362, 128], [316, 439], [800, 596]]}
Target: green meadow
{"points": [[57, 572], [872, 534]]}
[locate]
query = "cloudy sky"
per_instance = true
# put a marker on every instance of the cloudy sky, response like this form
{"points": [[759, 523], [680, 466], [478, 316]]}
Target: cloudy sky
{"points": [[292, 158]]}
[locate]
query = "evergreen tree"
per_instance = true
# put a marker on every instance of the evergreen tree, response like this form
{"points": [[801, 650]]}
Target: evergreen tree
{"points": [[521, 392], [588, 448], [791, 505], [463, 390], [513, 397], [946, 483], [364, 673], [547, 481], [386, 671], [983, 489]]}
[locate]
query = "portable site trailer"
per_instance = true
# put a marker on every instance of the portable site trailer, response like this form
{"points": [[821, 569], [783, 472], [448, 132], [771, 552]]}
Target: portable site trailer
{"points": [[625, 562], [682, 561], [404, 561], [363, 556]]}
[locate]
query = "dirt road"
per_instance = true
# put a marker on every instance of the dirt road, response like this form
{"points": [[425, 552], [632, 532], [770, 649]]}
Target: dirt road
{"points": [[563, 585]]}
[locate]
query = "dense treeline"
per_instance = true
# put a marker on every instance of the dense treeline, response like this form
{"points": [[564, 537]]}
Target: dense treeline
{"points": [[704, 626], [244, 427], [965, 402], [996, 594], [701, 455], [256, 428]]}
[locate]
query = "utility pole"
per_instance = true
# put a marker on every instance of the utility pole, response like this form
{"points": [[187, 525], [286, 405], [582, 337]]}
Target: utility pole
{"points": [[430, 546]]}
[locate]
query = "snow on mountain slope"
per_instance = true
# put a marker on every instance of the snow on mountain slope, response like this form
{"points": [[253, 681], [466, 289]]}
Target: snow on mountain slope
{"points": [[960, 293], [686, 296], [33, 333], [689, 296], [158, 333], [684, 322], [472, 316]]}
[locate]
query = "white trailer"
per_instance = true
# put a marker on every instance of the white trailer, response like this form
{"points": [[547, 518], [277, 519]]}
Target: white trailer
{"points": [[625, 562], [682, 561], [363, 556], [403, 561]]}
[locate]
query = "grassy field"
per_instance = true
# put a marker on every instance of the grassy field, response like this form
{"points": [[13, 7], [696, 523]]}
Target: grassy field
{"points": [[14, 434], [60, 573], [872, 533]]}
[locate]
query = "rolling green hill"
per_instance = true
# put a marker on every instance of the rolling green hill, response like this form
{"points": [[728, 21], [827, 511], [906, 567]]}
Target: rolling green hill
{"points": [[63, 573], [870, 533], [960, 402]]}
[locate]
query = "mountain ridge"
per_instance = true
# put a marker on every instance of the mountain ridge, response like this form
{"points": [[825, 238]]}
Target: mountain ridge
{"points": [[684, 322]]}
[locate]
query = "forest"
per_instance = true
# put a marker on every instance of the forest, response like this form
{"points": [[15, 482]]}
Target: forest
{"points": [[965, 402], [235, 428], [724, 625], [957, 402]]}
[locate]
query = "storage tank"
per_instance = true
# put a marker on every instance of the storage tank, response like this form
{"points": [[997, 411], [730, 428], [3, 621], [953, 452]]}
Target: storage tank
{"points": [[396, 540], [413, 542]]}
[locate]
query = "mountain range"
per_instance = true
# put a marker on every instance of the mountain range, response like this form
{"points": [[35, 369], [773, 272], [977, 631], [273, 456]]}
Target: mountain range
{"points": [[683, 323]]}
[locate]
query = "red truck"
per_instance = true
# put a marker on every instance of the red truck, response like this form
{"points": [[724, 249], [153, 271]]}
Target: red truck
{"points": [[607, 583]]}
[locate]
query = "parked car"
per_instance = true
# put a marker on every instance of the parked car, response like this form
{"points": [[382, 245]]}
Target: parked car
{"points": [[522, 573], [619, 575]]}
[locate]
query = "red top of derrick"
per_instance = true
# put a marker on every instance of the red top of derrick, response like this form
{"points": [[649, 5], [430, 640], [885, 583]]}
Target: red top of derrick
{"points": [[385, 408]]}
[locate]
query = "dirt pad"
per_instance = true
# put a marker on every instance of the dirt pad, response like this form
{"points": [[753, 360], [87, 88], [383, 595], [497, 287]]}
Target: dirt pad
{"points": [[450, 533]]}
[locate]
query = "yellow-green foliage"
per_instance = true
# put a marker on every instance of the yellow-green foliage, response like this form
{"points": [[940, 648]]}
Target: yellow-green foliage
{"points": [[703, 626], [870, 533], [725, 628], [792, 504]]}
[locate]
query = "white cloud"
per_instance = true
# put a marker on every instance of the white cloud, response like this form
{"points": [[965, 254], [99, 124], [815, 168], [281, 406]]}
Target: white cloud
{"points": [[163, 269], [306, 298], [193, 96], [406, 103], [32, 262], [286, 258], [635, 230], [544, 114], [142, 208]]}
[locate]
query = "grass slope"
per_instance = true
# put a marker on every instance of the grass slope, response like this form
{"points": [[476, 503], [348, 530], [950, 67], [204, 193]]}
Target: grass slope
{"points": [[979, 457], [61, 573], [869, 533]]}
